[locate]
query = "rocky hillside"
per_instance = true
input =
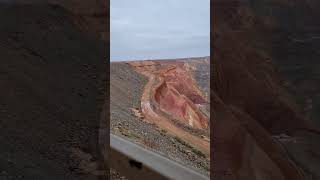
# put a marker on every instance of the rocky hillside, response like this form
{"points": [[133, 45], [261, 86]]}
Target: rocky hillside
{"points": [[264, 89], [52, 90], [91, 17]]}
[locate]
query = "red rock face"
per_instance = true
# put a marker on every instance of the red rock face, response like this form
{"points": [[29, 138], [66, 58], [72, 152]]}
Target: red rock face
{"points": [[176, 93], [178, 96], [171, 93]]}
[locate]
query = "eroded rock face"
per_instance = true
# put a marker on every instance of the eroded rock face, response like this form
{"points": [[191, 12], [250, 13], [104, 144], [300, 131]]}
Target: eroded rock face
{"points": [[176, 92], [179, 96], [179, 106], [250, 101], [172, 96]]}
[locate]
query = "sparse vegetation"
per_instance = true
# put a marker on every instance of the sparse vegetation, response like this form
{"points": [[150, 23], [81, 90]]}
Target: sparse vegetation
{"points": [[199, 153], [128, 133], [194, 150]]}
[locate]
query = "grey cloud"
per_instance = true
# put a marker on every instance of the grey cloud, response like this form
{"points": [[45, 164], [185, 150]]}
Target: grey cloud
{"points": [[146, 29]]}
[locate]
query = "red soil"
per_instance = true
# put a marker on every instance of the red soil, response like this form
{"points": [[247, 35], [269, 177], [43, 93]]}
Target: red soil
{"points": [[176, 92], [171, 90], [177, 95]]}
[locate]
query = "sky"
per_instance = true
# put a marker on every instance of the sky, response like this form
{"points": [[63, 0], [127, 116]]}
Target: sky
{"points": [[159, 29]]}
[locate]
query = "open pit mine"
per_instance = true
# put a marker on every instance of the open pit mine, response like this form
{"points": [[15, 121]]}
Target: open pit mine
{"points": [[166, 103]]}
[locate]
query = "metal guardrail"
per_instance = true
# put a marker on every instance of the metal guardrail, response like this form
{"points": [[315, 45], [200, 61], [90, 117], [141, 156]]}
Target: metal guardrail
{"points": [[136, 162]]}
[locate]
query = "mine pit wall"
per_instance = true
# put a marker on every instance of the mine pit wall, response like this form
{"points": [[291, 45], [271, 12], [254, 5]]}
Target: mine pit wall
{"points": [[186, 84], [182, 88], [179, 106]]}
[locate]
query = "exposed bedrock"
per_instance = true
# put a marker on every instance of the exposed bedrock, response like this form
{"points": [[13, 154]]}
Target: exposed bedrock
{"points": [[174, 91], [180, 106]]}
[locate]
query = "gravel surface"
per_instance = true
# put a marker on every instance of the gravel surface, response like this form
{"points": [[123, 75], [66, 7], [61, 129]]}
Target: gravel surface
{"points": [[201, 74], [51, 95], [126, 90]]}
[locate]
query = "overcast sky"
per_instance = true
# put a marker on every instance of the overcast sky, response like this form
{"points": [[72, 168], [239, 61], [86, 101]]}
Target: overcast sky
{"points": [[159, 29]]}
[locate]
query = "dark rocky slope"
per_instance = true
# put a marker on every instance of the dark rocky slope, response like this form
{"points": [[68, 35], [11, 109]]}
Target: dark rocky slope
{"points": [[265, 87], [52, 91]]}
